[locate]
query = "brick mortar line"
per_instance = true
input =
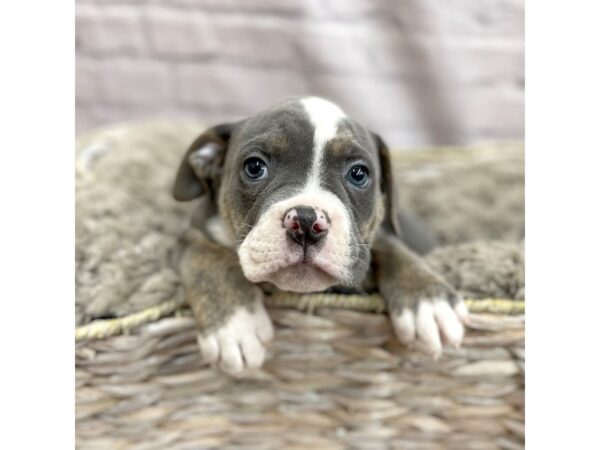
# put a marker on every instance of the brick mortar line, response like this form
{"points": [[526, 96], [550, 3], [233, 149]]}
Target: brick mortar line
{"points": [[144, 11], [173, 65]]}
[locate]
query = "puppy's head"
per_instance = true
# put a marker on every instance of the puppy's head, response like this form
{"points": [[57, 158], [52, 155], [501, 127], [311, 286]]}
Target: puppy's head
{"points": [[301, 187]]}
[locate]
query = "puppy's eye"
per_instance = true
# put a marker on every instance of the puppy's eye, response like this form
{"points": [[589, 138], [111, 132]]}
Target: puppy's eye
{"points": [[255, 169], [358, 175]]}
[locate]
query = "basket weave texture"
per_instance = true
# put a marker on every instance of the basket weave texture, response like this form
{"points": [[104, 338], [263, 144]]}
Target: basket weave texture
{"points": [[336, 377]]}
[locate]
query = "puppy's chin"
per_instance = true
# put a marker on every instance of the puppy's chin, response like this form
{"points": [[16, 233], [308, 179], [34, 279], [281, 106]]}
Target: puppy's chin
{"points": [[301, 277]]}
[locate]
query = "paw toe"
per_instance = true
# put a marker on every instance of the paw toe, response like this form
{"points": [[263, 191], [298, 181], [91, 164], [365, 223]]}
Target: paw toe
{"points": [[427, 329], [264, 328], [404, 326], [209, 348], [253, 352], [231, 357], [448, 322]]}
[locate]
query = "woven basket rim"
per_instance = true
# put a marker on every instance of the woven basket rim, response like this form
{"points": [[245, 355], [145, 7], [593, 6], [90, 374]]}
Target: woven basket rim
{"points": [[104, 328]]}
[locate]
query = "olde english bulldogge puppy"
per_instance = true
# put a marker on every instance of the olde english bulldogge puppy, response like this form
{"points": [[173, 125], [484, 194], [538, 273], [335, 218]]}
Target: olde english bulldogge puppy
{"points": [[300, 198]]}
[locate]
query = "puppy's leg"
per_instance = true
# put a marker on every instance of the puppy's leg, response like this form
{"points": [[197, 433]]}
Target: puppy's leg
{"points": [[415, 233], [423, 307], [234, 325]]}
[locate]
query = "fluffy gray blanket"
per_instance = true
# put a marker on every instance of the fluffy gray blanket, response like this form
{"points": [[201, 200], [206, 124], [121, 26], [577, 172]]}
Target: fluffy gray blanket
{"points": [[127, 224]]}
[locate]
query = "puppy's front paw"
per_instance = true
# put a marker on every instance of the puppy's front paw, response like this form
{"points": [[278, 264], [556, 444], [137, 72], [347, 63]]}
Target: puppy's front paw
{"points": [[240, 342], [430, 321]]}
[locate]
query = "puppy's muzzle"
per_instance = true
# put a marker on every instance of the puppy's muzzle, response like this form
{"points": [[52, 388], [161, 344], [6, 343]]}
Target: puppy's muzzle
{"points": [[306, 226]]}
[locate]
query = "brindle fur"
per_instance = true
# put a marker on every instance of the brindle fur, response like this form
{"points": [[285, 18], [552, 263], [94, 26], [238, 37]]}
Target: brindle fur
{"points": [[214, 283], [403, 278]]}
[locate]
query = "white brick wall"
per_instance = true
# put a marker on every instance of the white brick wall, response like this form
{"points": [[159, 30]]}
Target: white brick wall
{"points": [[418, 71]]}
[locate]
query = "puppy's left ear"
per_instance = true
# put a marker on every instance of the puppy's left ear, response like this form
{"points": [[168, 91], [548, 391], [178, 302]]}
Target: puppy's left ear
{"points": [[388, 187], [200, 169]]}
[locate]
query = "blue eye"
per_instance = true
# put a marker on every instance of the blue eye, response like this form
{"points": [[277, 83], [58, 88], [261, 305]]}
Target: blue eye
{"points": [[358, 175], [255, 169]]}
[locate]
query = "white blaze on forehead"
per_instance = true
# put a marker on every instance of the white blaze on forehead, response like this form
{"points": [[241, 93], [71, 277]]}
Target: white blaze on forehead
{"points": [[267, 254], [325, 117]]}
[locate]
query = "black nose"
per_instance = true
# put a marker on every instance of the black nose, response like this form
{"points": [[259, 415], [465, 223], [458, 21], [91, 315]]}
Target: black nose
{"points": [[305, 226]]}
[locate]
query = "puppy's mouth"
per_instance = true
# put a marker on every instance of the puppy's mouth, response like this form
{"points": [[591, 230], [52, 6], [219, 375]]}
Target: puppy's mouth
{"points": [[304, 276], [294, 269]]}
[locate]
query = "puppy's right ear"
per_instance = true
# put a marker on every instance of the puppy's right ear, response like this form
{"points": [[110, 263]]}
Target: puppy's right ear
{"points": [[388, 186], [200, 169]]}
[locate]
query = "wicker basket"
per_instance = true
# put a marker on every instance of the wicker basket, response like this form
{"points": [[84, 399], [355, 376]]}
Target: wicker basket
{"points": [[335, 378]]}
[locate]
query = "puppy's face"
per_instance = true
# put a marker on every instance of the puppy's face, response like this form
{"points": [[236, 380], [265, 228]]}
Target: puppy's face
{"points": [[301, 188]]}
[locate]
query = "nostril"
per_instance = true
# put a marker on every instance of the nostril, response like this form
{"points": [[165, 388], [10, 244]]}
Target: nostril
{"points": [[290, 220], [317, 228]]}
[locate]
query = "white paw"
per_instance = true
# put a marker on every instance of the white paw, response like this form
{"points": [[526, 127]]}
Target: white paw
{"points": [[239, 344], [435, 322]]}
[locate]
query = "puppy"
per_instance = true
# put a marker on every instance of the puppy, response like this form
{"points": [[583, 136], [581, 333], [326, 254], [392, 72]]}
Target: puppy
{"points": [[299, 198]]}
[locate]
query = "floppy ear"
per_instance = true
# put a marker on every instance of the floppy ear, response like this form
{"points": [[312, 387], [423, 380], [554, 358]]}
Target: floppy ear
{"points": [[388, 187], [200, 169]]}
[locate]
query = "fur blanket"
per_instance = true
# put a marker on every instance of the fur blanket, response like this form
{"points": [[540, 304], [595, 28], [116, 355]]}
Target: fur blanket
{"points": [[127, 224]]}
